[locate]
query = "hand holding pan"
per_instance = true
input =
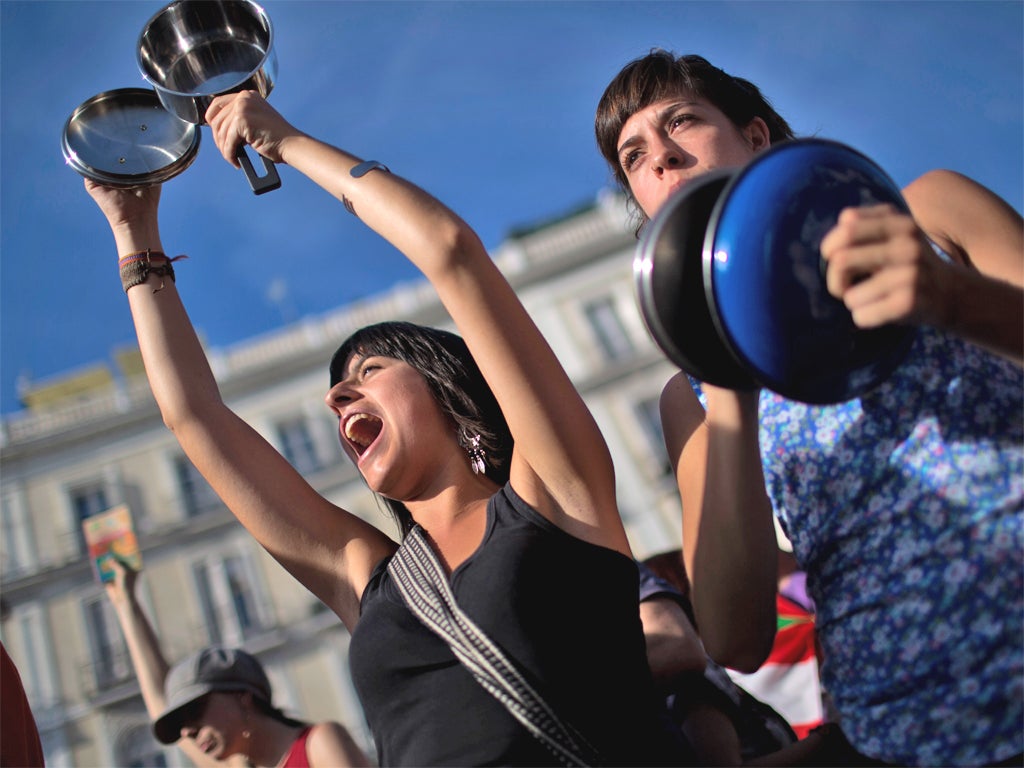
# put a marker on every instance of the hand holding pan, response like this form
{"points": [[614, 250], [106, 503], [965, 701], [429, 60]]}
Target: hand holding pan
{"points": [[195, 50], [731, 283]]}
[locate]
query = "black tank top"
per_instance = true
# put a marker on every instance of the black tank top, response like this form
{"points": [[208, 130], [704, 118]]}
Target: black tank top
{"points": [[564, 610]]}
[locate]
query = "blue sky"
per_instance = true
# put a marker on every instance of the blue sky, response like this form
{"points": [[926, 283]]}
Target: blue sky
{"points": [[488, 105]]}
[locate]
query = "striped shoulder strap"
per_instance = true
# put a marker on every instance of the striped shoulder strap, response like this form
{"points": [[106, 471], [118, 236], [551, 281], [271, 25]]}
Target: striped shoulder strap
{"points": [[424, 586]]}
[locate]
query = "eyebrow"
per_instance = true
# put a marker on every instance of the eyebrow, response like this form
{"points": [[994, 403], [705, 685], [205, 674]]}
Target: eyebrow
{"points": [[661, 116], [628, 143], [355, 360]]}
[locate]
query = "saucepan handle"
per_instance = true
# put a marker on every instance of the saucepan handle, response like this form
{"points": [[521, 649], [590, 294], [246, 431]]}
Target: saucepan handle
{"points": [[270, 180]]}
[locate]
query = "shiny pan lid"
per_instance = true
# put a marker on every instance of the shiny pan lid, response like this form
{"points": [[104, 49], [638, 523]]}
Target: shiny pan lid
{"points": [[125, 138]]}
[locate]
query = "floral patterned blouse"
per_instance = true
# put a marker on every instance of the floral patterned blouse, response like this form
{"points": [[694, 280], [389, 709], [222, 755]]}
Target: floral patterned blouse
{"points": [[906, 508]]}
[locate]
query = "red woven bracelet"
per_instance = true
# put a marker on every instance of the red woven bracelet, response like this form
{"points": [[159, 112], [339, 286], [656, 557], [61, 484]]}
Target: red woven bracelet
{"points": [[135, 268]]}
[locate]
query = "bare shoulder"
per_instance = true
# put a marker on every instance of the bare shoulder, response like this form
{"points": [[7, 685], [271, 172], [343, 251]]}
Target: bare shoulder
{"points": [[330, 745], [967, 220]]}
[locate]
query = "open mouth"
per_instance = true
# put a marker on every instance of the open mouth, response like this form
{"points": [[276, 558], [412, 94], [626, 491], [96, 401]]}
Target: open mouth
{"points": [[361, 429]]}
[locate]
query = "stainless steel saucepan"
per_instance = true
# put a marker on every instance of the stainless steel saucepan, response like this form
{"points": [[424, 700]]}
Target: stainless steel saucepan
{"points": [[192, 51]]}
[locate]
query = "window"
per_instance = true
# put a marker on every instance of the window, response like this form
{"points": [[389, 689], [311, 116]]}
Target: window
{"points": [[227, 598], [196, 494], [38, 674], [28, 640], [139, 749], [649, 415], [608, 328], [110, 662], [87, 500], [297, 445], [15, 537]]}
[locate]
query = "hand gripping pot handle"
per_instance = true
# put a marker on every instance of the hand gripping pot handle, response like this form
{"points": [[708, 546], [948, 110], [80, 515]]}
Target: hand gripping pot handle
{"points": [[270, 179], [192, 51]]}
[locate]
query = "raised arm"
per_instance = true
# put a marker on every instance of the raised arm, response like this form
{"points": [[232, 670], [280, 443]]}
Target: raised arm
{"points": [[728, 534], [148, 660], [978, 296], [327, 549], [561, 464]]}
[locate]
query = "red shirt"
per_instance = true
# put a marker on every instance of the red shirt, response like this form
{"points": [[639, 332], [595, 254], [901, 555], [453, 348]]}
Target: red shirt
{"points": [[19, 736], [296, 757]]}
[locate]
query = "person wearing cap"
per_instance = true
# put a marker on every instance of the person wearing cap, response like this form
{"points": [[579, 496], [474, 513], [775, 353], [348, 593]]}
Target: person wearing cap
{"points": [[216, 704]]}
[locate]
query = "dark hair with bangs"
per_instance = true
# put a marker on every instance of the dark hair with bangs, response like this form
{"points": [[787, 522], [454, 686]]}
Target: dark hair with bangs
{"points": [[443, 359], [663, 75]]}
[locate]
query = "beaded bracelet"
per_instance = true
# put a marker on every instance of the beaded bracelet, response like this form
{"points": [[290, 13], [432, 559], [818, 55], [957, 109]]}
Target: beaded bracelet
{"points": [[135, 268]]}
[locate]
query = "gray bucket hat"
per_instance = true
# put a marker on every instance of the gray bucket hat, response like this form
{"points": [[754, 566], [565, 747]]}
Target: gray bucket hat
{"points": [[214, 668]]}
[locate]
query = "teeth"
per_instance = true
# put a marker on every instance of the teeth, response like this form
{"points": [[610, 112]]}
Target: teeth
{"points": [[352, 434]]}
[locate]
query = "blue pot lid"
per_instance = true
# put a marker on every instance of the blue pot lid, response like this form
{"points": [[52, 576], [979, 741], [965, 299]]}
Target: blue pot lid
{"points": [[764, 277]]}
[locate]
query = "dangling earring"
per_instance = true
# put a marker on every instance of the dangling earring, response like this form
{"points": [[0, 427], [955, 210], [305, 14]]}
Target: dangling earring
{"points": [[477, 456]]}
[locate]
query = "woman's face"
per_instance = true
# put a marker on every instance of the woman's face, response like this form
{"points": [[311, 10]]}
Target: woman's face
{"points": [[216, 723], [672, 141], [390, 424]]}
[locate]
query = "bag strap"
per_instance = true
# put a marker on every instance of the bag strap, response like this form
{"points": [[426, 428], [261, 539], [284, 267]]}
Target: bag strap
{"points": [[424, 586]]}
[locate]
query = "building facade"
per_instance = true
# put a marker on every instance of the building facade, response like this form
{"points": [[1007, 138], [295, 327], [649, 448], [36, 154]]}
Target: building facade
{"points": [[94, 439]]}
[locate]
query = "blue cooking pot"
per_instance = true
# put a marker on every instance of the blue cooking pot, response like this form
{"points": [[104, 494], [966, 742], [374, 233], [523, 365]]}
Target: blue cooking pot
{"points": [[731, 283]]}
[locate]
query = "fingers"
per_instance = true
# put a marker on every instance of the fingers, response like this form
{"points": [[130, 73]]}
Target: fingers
{"points": [[884, 270], [126, 207], [218, 105], [869, 252], [246, 118], [850, 264], [860, 224], [226, 132], [887, 296], [863, 226], [116, 586]]}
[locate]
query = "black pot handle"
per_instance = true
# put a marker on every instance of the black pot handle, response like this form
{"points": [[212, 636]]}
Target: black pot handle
{"points": [[269, 181]]}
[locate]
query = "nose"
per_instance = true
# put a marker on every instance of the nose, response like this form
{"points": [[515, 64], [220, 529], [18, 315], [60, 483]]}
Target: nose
{"points": [[340, 394], [666, 156]]}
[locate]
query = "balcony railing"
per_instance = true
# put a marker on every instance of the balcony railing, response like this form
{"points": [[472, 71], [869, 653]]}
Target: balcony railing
{"points": [[99, 676]]}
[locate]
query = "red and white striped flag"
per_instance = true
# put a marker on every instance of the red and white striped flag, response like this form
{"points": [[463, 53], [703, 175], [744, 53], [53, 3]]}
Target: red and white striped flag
{"points": [[788, 680]]}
